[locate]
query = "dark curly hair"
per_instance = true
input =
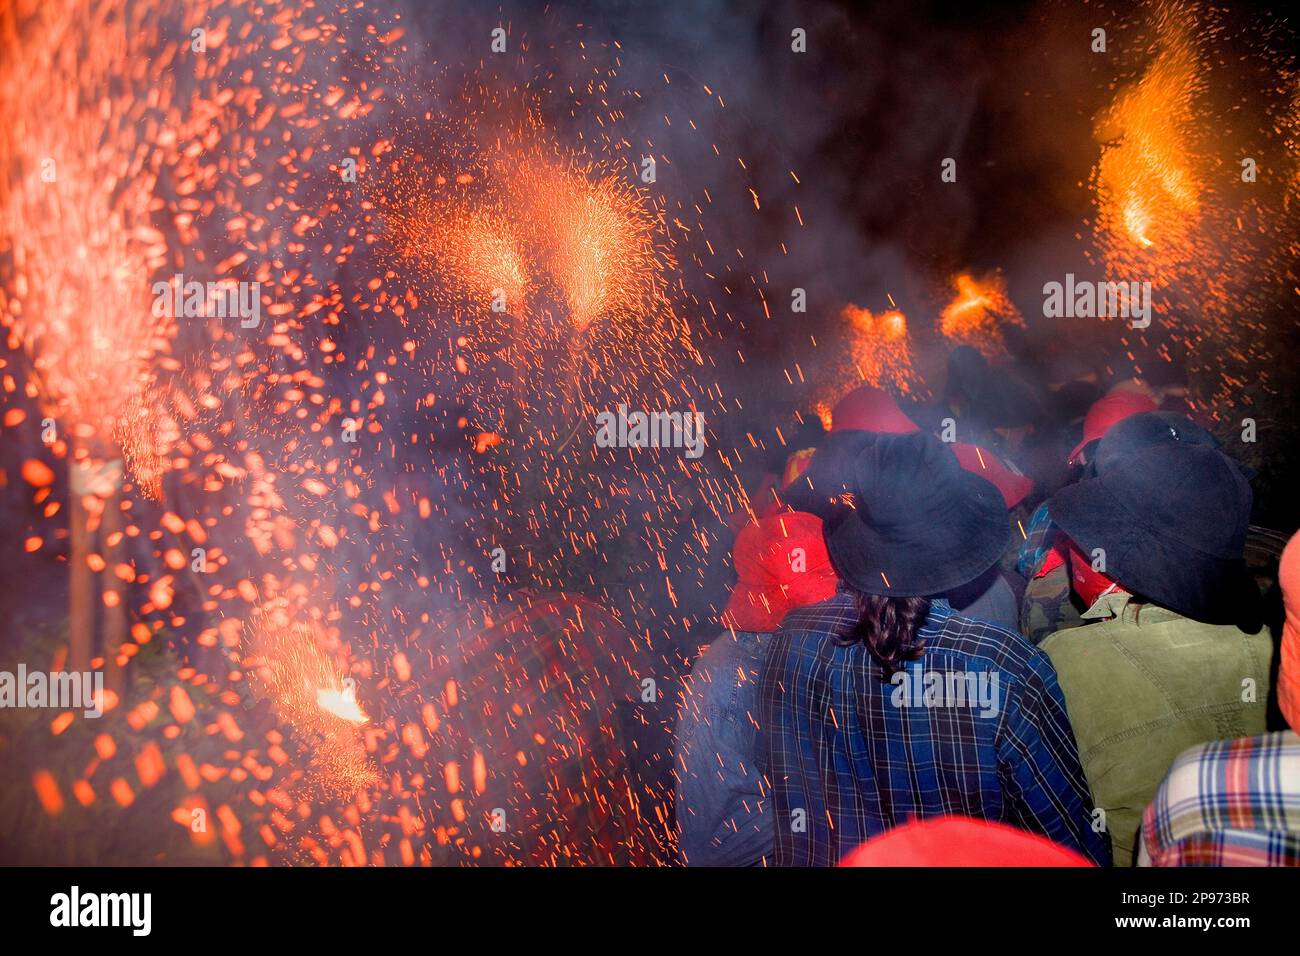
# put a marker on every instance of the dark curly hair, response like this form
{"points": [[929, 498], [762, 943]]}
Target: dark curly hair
{"points": [[888, 627]]}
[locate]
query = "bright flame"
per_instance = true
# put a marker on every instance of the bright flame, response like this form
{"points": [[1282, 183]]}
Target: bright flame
{"points": [[1148, 183], [288, 663], [341, 702], [880, 353], [978, 311]]}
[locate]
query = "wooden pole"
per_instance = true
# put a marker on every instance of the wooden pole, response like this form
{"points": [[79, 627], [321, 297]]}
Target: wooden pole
{"points": [[110, 529], [81, 582]]}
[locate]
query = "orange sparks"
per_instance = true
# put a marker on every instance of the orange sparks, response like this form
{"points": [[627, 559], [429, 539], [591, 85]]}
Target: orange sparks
{"points": [[978, 311]]}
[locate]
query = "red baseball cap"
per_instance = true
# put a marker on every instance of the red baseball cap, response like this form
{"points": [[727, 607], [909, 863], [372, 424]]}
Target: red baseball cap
{"points": [[1014, 486], [870, 409], [1106, 411], [781, 564], [961, 841]]}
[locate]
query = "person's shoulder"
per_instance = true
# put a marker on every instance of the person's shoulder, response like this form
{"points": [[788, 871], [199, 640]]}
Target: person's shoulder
{"points": [[980, 640], [836, 615], [1093, 641], [1283, 744], [725, 651], [1210, 771]]}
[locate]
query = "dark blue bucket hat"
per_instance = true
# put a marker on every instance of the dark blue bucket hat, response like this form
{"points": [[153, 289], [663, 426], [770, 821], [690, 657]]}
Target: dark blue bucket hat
{"points": [[919, 525], [1171, 519]]}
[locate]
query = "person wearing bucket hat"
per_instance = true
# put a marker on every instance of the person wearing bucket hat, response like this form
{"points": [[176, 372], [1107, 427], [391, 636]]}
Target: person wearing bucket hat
{"points": [[1126, 400], [921, 525], [1237, 802], [1107, 412], [723, 805], [1059, 586], [882, 705], [871, 409], [868, 409], [1144, 429], [1164, 656]]}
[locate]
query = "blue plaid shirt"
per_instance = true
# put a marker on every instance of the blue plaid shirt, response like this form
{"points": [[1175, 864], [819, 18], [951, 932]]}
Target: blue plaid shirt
{"points": [[1040, 535], [851, 754]]}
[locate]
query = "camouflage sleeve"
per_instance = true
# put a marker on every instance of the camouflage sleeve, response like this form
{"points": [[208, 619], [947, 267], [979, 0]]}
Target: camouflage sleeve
{"points": [[1047, 606]]}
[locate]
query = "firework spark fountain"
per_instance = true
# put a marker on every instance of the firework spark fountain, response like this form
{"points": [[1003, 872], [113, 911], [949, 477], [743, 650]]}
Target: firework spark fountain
{"points": [[289, 665]]}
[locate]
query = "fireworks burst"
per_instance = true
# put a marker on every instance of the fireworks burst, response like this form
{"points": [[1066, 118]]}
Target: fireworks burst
{"points": [[78, 217]]}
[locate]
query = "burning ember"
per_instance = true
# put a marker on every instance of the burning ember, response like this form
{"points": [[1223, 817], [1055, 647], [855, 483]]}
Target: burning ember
{"points": [[1148, 182]]}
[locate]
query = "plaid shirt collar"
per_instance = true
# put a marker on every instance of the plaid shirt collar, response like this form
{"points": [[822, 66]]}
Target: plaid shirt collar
{"points": [[837, 617]]}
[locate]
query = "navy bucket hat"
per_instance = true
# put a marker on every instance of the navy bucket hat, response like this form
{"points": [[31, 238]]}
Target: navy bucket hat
{"points": [[1171, 520], [920, 525]]}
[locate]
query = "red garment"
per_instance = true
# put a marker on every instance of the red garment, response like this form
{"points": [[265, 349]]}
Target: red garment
{"points": [[1014, 486], [1288, 678], [1106, 411], [961, 841], [1056, 556], [782, 564], [1089, 584], [870, 409]]}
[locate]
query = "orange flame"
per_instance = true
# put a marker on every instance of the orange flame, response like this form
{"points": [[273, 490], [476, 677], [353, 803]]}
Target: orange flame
{"points": [[977, 312]]}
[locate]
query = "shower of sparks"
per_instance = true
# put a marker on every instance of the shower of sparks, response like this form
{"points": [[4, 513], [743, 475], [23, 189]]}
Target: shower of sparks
{"points": [[288, 664], [338, 477], [978, 312], [1150, 179], [144, 433], [879, 353], [363, 449], [77, 213], [1170, 211], [879, 347]]}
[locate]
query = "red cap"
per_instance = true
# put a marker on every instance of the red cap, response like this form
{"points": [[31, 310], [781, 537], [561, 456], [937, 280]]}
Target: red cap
{"points": [[782, 564], [870, 409], [1013, 485], [1111, 408], [961, 841]]}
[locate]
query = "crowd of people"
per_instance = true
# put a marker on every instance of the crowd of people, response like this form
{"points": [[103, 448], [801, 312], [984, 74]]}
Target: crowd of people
{"points": [[930, 657]]}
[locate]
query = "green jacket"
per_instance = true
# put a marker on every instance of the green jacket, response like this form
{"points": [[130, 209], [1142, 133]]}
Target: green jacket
{"points": [[1142, 685]]}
